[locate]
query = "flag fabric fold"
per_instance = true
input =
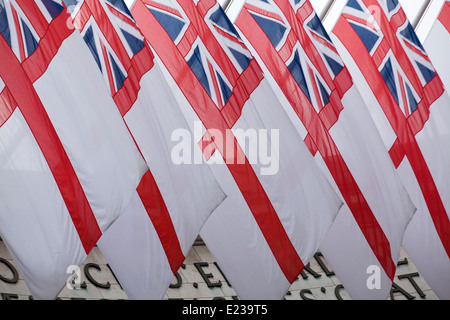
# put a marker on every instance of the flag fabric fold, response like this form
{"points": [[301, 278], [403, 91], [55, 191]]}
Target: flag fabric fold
{"points": [[68, 163], [311, 80], [171, 203], [279, 206], [409, 105], [433, 31]]}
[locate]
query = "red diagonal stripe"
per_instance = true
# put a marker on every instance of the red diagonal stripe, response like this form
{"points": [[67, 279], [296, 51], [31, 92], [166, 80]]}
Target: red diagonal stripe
{"points": [[397, 153], [124, 98], [360, 21], [315, 89], [217, 91], [248, 81], [401, 127], [164, 8], [404, 99], [34, 15], [109, 31], [444, 16], [20, 39], [417, 51], [159, 215], [40, 125], [210, 41], [264, 12], [306, 42], [319, 134], [141, 63], [58, 30], [112, 86], [229, 36], [187, 40], [120, 15], [246, 179], [286, 50], [82, 16], [389, 30], [7, 105]]}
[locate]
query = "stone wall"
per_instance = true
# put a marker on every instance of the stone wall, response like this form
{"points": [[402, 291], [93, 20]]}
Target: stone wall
{"points": [[201, 278]]}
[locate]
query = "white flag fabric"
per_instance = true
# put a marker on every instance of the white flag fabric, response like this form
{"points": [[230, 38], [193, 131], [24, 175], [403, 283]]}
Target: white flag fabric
{"points": [[434, 32], [152, 238], [68, 165], [310, 77], [407, 101], [278, 206]]}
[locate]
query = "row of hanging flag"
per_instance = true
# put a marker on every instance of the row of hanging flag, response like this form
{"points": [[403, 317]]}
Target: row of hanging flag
{"points": [[97, 97]]}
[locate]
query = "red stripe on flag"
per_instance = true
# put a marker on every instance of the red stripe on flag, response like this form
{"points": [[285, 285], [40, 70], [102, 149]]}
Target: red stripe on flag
{"points": [[159, 215], [315, 89], [397, 153], [124, 98], [112, 85], [229, 36], [98, 13], [246, 179], [360, 21], [205, 5], [248, 82], [307, 44], [19, 34], [310, 144], [431, 92], [207, 145], [22, 90], [120, 15], [164, 8], [243, 84], [403, 93], [7, 105], [34, 15], [210, 42], [286, 50], [444, 16], [82, 16], [401, 126], [264, 13], [387, 28], [58, 30], [136, 66], [188, 39], [327, 148], [141, 63], [381, 52], [216, 86]]}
